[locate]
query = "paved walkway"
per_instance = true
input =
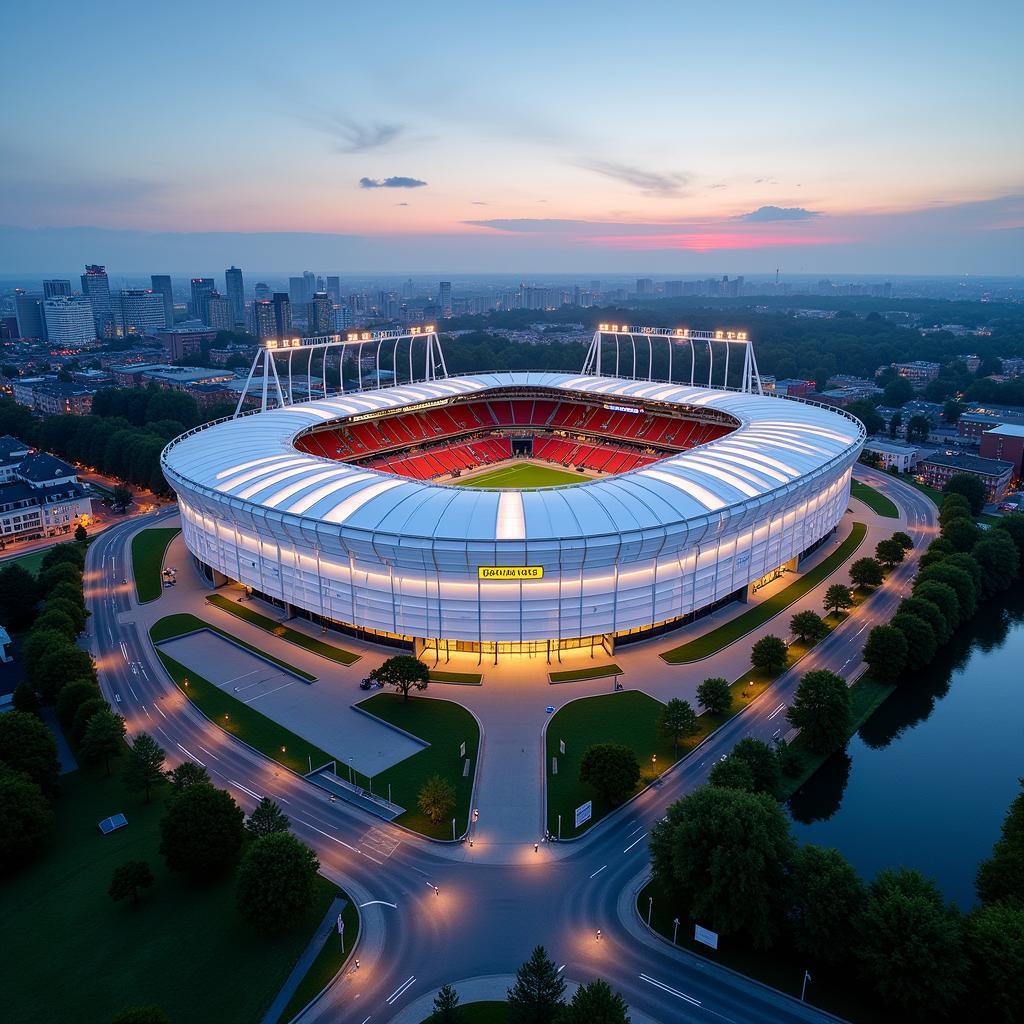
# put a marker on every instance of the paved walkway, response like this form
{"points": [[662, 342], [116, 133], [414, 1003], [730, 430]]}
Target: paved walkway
{"points": [[64, 755]]}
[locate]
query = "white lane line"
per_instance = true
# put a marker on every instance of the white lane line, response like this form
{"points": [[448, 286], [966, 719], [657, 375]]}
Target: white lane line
{"points": [[245, 789], [190, 754], [144, 708], [671, 991], [640, 839], [400, 991], [378, 903], [134, 694], [252, 700], [364, 1022], [205, 751], [327, 835], [560, 969], [124, 650], [599, 870], [160, 709], [634, 832], [778, 711]]}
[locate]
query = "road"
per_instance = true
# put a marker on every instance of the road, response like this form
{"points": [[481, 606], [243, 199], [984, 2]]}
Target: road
{"points": [[483, 919]]}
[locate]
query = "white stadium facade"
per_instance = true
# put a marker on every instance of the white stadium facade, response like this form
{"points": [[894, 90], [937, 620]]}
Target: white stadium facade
{"points": [[349, 508]]}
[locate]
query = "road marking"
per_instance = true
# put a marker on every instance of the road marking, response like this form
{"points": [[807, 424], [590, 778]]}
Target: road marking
{"points": [[205, 751], [400, 991], [190, 754], [160, 709], [671, 991], [327, 835], [364, 1022], [134, 694], [252, 700], [117, 697], [778, 711], [144, 708], [379, 903], [599, 870], [635, 841], [560, 969], [634, 832], [245, 789]]}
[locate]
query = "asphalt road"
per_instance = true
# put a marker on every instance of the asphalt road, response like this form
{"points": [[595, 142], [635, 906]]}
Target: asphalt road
{"points": [[484, 919]]}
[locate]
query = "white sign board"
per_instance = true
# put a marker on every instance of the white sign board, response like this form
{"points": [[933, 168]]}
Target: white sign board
{"points": [[584, 812], [561, 746], [341, 926], [705, 935], [462, 749]]}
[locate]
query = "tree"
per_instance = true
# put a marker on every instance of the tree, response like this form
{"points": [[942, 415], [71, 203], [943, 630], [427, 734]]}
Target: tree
{"points": [[25, 699], [60, 664], [56, 618], [769, 654], [103, 738], [144, 768], [267, 819], [88, 708], [446, 1006], [838, 598], [678, 719], [962, 584], [71, 697], [996, 554], [898, 392], [885, 652], [81, 533], [890, 552], [920, 636], [866, 572], [725, 857], [939, 549], [715, 695], [732, 773], [930, 612], [868, 415], [827, 895], [37, 644], [60, 572], [276, 881], [918, 429], [404, 673], [821, 711], [538, 992], [1001, 877], [436, 798], [963, 534], [909, 945], [128, 879], [954, 506], [1013, 525], [26, 819], [121, 498], [951, 411], [904, 540], [202, 832], [808, 626], [971, 487], [596, 1003], [762, 761], [895, 422], [186, 774], [141, 1015], [611, 769], [18, 596], [27, 745], [995, 945]]}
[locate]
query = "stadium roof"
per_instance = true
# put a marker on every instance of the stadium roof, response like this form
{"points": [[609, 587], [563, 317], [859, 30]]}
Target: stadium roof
{"points": [[252, 460]]}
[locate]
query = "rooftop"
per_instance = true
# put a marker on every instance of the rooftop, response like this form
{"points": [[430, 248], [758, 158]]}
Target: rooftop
{"points": [[969, 463]]}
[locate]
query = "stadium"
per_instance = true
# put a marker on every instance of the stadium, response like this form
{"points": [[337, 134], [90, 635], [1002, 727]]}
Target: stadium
{"points": [[509, 512]]}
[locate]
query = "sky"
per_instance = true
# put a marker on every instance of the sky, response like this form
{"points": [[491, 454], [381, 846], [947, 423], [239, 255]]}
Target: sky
{"points": [[531, 137]]}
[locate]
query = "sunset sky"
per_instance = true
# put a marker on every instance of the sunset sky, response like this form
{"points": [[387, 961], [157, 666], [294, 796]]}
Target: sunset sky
{"points": [[549, 136]]}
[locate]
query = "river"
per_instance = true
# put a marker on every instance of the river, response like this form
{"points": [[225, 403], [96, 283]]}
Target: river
{"points": [[928, 778]]}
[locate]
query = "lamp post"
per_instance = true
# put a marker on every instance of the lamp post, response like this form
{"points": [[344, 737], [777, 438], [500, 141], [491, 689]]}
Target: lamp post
{"points": [[650, 907], [803, 987], [675, 929]]}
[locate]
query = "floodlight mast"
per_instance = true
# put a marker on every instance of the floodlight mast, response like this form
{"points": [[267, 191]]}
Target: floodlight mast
{"points": [[750, 380], [263, 373]]}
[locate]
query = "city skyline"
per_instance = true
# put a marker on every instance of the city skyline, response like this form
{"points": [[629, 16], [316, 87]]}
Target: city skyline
{"points": [[662, 143]]}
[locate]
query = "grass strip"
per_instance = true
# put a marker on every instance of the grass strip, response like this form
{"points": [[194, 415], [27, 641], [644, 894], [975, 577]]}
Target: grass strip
{"points": [[172, 626], [30, 562], [148, 547], [328, 962], [286, 633], [716, 639], [490, 1011], [465, 678], [443, 725], [595, 672], [874, 499]]}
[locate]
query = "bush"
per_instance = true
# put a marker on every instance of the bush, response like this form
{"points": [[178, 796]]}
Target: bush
{"points": [[611, 769], [128, 879], [436, 798]]}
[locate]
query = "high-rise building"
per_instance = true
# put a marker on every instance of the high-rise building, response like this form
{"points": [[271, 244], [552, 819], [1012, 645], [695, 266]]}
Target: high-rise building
{"points": [[320, 314], [161, 284], [28, 307], [334, 289], [644, 286], [69, 320], [444, 299], [96, 288], [140, 311], [262, 321], [201, 289], [282, 315], [220, 314], [236, 293], [297, 290], [51, 289], [262, 290], [309, 280], [342, 317]]}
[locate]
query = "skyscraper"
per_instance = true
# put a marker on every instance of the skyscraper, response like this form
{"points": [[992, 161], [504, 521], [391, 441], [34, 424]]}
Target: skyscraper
{"points": [[201, 289], [140, 311], [262, 290], [28, 307], [297, 290], [282, 315], [334, 289], [68, 320], [96, 288], [644, 286], [444, 299], [310, 284], [342, 317], [53, 288], [236, 293], [320, 310], [162, 286], [219, 313], [262, 320]]}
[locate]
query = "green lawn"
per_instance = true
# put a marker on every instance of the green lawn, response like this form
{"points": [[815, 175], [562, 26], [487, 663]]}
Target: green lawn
{"points": [[874, 499], [148, 547], [439, 675], [716, 639], [594, 672], [444, 725], [490, 1012], [79, 956], [328, 962], [286, 633], [30, 562], [525, 476], [936, 496]]}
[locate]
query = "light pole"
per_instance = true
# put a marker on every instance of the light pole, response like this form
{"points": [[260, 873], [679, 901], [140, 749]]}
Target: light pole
{"points": [[650, 907], [654, 765], [803, 987], [351, 777], [675, 929], [559, 828]]}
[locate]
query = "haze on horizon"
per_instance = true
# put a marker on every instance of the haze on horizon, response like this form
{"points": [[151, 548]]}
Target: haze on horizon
{"points": [[544, 138]]}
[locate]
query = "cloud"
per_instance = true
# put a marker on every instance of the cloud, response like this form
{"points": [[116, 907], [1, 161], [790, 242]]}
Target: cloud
{"points": [[401, 204], [395, 182], [764, 214], [649, 182], [718, 186], [354, 136], [476, 202]]}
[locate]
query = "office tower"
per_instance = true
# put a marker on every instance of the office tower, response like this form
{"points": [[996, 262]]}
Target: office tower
{"points": [[296, 290], [262, 291], [673, 288], [342, 317], [444, 299], [319, 320], [28, 307], [321, 285], [309, 282], [202, 287], [262, 321], [140, 311], [96, 288], [334, 289], [51, 289], [282, 315], [161, 284], [235, 290], [220, 314], [69, 320], [644, 286]]}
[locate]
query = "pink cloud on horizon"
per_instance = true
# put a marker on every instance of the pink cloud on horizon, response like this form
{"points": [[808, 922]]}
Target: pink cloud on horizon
{"points": [[711, 241]]}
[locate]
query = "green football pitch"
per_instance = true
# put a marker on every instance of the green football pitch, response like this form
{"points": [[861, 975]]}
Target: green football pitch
{"points": [[523, 476]]}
